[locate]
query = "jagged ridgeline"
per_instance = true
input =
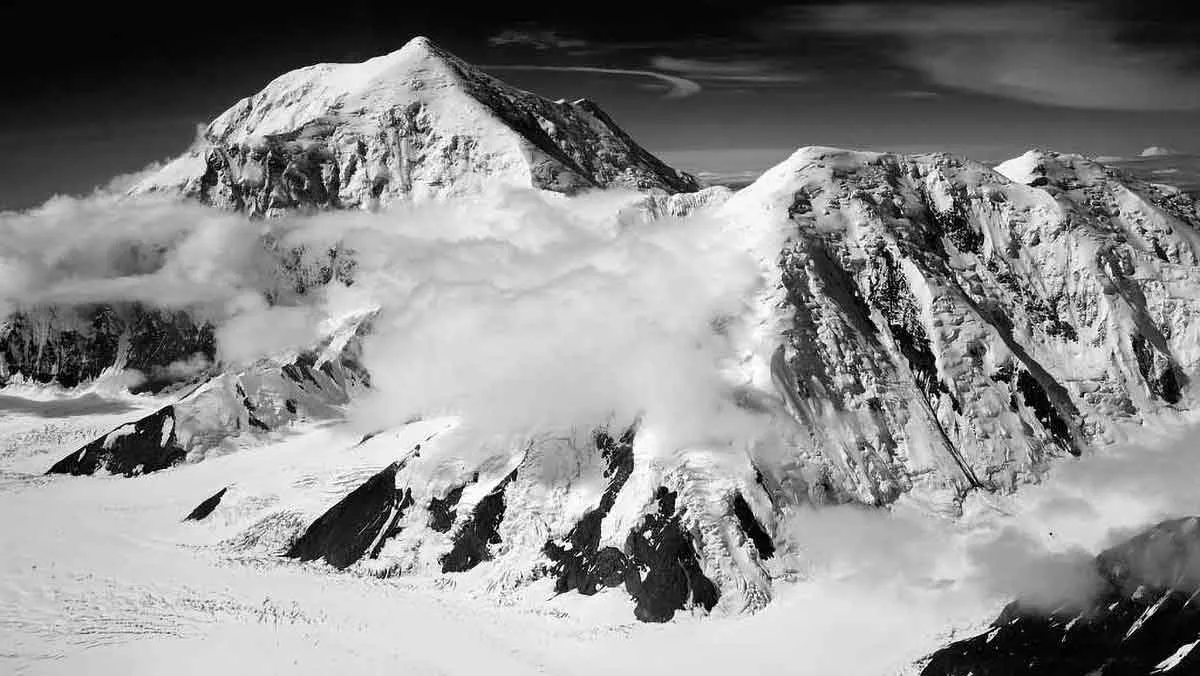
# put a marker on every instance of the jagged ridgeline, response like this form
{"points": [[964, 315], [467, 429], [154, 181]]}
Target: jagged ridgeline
{"points": [[925, 324]]}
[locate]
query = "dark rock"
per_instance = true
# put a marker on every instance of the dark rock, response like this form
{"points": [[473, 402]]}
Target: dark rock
{"points": [[1044, 410], [472, 539], [205, 508], [751, 527], [148, 447], [345, 533], [673, 579], [579, 563], [1164, 378], [442, 511], [1144, 613]]}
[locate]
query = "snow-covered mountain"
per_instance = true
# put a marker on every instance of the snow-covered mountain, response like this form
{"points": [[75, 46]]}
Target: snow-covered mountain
{"points": [[415, 124], [923, 326]]}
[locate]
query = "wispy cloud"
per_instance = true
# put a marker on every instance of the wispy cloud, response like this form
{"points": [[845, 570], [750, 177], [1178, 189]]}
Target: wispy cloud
{"points": [[1061, 55], [747, 72], [677, 87]]}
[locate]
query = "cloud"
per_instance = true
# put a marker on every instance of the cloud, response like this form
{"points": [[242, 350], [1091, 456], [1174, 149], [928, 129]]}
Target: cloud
{"points": [[677, 87], [1015, 564], [900, 579], [256, 329], [522, 312], [1156, 151], [540, 39], [515, 309], [102, 249], [1060, 55], [735, 71]]}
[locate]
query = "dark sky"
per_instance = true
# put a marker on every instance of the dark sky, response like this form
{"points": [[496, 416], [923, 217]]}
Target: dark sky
{"points": [[724, 87]]}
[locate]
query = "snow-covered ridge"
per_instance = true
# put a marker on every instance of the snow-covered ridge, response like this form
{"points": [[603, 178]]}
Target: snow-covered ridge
{"points": [[415, 124]]}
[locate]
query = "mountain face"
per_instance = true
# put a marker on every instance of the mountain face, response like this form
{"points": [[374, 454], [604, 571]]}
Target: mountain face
{"points": [[415, 124], [924, 325], [1143, 620], [73, 344], [947, 328]]}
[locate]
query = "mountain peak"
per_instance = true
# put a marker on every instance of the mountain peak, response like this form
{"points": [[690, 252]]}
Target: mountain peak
{"points": [[415, 123]]}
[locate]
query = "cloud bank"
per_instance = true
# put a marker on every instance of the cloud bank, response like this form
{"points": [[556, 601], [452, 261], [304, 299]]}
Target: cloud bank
{"points": [[676, 87], [515, 309]]}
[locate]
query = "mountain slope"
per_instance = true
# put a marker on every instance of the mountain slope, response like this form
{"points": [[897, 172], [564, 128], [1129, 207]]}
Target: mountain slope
{"points": [[948, 328], [415, 124]]}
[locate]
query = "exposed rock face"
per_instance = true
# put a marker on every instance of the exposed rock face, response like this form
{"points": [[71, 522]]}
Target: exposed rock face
{"points": [[673, 579], [472, 540], [72, 344], [356, 525], [1143, 620], [579, 562], [205, 508], [948, 328], [148, 445], [415, 124]]}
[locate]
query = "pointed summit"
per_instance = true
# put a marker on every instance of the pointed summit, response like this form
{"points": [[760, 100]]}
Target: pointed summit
{"points": [[417, 123]]}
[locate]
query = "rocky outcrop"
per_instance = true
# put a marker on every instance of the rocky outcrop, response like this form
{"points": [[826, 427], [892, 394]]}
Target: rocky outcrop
{"points": [[415, 124], [664, 574], [579, 562], [148, 445], [1144, 619], [205, 508], [481, 529], [356, 525]]}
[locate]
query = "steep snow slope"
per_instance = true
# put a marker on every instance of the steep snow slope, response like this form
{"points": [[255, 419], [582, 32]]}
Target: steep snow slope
{"points": [[415, 124]]}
